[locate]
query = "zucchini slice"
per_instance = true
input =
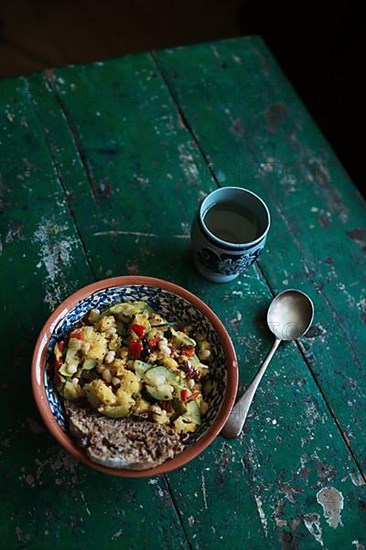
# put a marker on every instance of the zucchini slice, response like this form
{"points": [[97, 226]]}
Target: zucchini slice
{"points": [[129, 309], [162, 393], [158, 376]]}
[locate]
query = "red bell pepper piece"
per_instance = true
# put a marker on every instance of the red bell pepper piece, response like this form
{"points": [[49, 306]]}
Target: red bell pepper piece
{"points": [[166, 406], [61, 346], [184, 395], [77, 335], [135, 348], [189, 352], [139, 330], [153, 343], [194, 395]]}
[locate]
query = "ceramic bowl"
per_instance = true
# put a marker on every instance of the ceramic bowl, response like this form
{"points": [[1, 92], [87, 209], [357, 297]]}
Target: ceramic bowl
{"points": [[171, 301]]}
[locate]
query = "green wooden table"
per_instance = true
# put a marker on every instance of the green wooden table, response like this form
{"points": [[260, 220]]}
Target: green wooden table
{"points": [[102, 169]]}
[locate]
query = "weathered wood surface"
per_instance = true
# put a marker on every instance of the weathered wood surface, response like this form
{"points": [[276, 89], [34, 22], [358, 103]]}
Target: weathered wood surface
{"points": [[109, 162], [254, 131]]}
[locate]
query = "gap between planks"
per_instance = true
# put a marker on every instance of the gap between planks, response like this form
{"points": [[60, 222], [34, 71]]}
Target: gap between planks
{"points": [[49, 78], [258, 265]]}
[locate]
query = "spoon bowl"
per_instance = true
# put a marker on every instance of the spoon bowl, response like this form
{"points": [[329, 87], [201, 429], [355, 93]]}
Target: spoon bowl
{"points": [[289, 317], [290, 314]]}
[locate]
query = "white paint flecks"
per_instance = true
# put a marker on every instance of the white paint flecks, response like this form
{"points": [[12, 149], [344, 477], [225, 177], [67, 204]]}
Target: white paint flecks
{"points": [[331, 501], [215, 52], [236, 59], [158, 489], [85, 503], [187, 163], [191, 521], [204, 492], [312, 414], [114, 233], [133, 233], [55, 255], [358, 545], [117, 534], [357, 479], [261, 513], [30, 480], [312, 523]]}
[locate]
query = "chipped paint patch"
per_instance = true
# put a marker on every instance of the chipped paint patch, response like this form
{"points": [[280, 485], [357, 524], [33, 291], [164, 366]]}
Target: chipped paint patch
{"points": [[331, 501], [312, 524], [278, 514], [55, 254], [288, 491]]}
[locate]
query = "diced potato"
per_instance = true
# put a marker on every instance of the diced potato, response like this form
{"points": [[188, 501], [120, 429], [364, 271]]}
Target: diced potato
{"points": [[98, 343], [114, 342], [118, 367], [123, 352], [129, 382], [57, 352], [141, 319], [72, 392], [106, 322], [98, 393], [125, 401], [140, 406]]}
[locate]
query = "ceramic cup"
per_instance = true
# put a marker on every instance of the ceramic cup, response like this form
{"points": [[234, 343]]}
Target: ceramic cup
{"points": [[229, 233]]}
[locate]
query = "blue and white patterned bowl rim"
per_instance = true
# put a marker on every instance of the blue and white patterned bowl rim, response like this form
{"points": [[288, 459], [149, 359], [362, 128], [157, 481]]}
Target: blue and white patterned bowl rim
{"points": [[171, 306]]}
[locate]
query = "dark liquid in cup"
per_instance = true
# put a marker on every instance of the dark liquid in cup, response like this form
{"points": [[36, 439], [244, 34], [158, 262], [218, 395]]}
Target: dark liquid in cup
{"points": [[231, 222]]}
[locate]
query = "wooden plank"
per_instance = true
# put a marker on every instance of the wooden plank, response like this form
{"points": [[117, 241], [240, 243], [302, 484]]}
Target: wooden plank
{"points": [[304, 448], [122, 138], [51, 500], [256, 133]]}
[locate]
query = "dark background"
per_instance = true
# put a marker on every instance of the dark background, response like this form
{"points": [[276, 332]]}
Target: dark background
{"points": [[319, 44]]}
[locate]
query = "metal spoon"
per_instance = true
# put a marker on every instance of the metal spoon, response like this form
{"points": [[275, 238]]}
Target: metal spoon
{"points": [[289, 317]]}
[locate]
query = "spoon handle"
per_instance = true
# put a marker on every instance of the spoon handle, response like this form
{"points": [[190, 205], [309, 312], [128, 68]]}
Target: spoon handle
{"points": [[236, 420]]}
